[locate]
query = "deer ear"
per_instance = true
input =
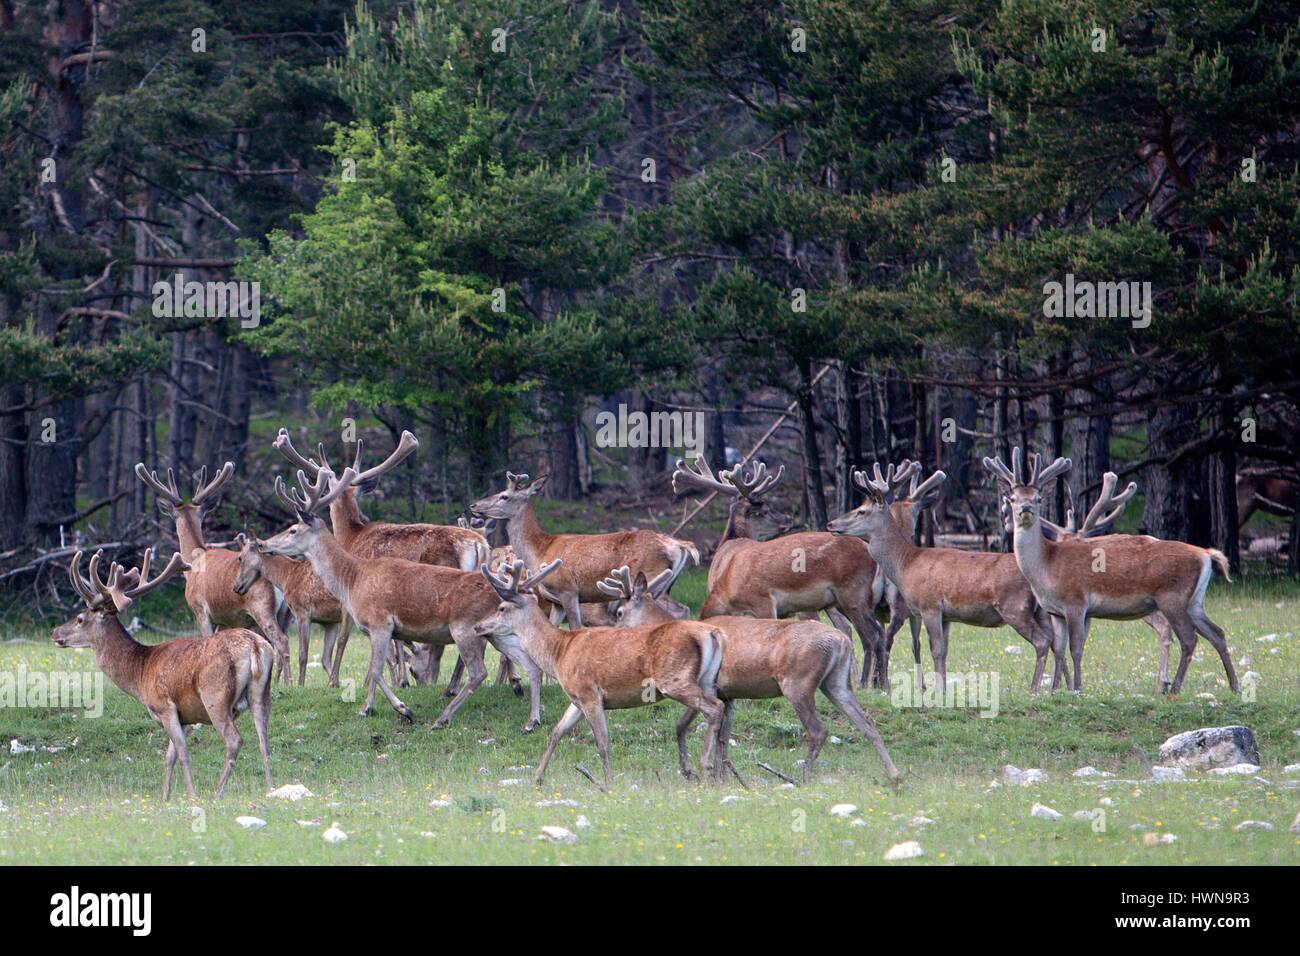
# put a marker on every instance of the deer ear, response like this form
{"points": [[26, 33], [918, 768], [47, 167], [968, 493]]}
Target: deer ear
{"points": [[241, 540], [538, 484], [640, 584]]}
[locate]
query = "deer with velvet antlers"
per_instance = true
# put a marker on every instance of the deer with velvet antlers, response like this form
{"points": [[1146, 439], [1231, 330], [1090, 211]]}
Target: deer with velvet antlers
{"points": [[606, 668], [586, 558], [943, 585], [758, 571], [210, 578], [391, 598], [762, 659], [202, 680], [1117, 577]]}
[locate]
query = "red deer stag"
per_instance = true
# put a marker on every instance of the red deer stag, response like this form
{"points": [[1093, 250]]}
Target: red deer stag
{"points": [[202, 680], [943, 585], [1118, 577], [393, 598], [210, 578], [605, 668], [587, 557], [762, 659]]}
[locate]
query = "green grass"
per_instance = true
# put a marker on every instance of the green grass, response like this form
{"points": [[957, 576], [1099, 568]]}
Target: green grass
{"points": [[98, 801]]}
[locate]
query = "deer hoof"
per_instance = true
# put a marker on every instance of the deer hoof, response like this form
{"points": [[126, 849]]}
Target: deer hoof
{"points": [[531, 725], [517, 687], [442, 723], [408, 715]]}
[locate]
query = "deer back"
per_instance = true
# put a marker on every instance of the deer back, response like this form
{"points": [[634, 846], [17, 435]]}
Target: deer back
{"points": [[801, 569]]}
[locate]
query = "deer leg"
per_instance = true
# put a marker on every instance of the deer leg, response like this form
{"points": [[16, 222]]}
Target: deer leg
{"points": [[1182, 626], [870, 636], [595, 713], [171, 723], [683, 754], [225, 726], [469, 648], [1060, 641], [573, 612], [1164, 636], [264, 617], [304, 637], [1027, 627], [1078, 630], [934, 627], [724, 739], [457, 674], [396, 664], [1214, 634], [259, 702], [345, 631], [800, 695], [380, 639], [839, 689], [169, 762], [567, 722], [513, 652]]}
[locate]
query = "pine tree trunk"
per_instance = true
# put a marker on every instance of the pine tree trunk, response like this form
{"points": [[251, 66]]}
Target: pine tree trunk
{"points": [[812, 458]]}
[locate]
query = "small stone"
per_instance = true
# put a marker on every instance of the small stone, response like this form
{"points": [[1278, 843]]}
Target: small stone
{"points": [[1013, 649], [558, 835], [1015, 777], [1086, 814], [307, 823], [17, 747], [844, 810], [1295, 824], [858, 822], [904, 851], [1091, 772], [556, 803], [509, 782], [250, 823], [732, 798], [1267, 639], [1236, 770], [1210, 747], [333, 835], [1168, 774], [835, 740], [440, 804], [292, 792], [919, 821], [1253, 825], [582, 822], [1043, 812], [1291, 768], [1106, 802], [1156, 839]]}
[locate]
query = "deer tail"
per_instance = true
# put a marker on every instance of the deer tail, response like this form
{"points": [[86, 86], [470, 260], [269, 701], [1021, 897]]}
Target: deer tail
{"points": [[1220, 561]]}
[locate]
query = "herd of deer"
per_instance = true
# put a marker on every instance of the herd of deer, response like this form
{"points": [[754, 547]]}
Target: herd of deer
{"points": [[627, 643]]}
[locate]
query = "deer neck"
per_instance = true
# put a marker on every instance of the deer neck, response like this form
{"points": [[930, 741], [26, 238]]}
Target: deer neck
{"points": [[529, 540], [189, 532], [122, 659], [277, 569], [544, 642], [346, 517], [335, 566], [1031, 547], [891, 548]]}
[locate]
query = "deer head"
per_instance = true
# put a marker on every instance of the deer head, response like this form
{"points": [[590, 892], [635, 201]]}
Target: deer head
{"points": [[518, 613], [207, 494], [251, 562], [106, 599], [640, 601], [364, 480], [1025, 495], [505, 504], [882, 491], [746, 485], [307, 502]]}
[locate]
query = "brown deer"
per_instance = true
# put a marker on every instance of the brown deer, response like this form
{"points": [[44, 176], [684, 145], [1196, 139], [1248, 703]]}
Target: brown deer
{"points": [[203, 680], [1270, 490], [393, 597], [763, 659], [308, 600], [212, 572], [447, 546], [1118, 577], [754, 573], [605, 668], [943, 585], [586, 558]]}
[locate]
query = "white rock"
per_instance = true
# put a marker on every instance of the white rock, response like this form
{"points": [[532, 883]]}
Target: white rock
{"points": [[1043, 812], [1156, 839], [1236, 770], [857, 822], [1168, 774], [558, 835], [439, 804], [1106, 802], [17, 747], [509, 782], [904, 851], [333, 835], [1086, 814], [731, 798], [1015, 777], [250, 823], [1267, 639], [844, 810], [1291, 768], [582, 822], [1014, 649], [291, 791], [1091, 772], [1210, 747], [835, 740], [919, 821], [556, 803], [307, 823], [1295, 825], [3, 808], [1254, 825]]}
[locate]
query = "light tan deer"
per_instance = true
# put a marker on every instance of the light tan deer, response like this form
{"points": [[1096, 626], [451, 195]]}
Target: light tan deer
{"points": [[450, 546], [586, 558], [1119, 577], [754, 573], [308, 600], [762, 659], [606, 668], [393, 597], [943, 585], [202, 680], [210, 578]]}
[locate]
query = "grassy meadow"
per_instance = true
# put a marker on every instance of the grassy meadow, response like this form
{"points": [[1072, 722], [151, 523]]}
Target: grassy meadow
{"points": [[410, 794]]}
